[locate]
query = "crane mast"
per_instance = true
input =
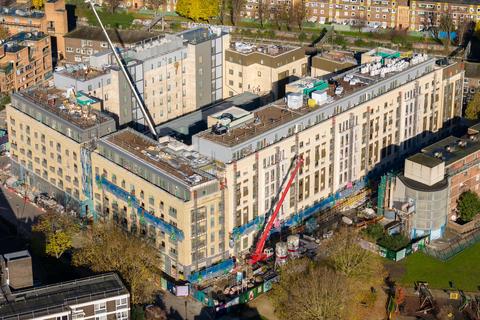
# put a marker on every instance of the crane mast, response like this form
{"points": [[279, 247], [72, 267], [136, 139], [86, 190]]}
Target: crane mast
{"points": [[121, 64], [258, 254]]}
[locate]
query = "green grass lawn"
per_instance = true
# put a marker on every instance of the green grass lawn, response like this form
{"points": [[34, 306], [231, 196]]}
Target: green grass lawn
{"points": [[110, 20], [463, 270]]}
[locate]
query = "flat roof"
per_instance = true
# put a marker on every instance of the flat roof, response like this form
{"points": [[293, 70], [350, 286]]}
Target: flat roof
{"points": [[201, 34], [277, 113], [171, 157], [52, 299], [248, 48], [82, 72], [452, 149], [426, 160], [184, 127], [21, 40], [412, 184], [21, 11], [116, 35], [73, 110]]}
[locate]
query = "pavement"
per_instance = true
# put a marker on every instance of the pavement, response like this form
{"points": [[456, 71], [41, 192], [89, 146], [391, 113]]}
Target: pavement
{"points": [[176, 307]]}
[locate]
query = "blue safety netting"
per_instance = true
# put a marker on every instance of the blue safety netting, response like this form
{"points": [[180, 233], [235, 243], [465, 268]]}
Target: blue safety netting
{"points": [[296, 219], [213, 271], [174, 232]]}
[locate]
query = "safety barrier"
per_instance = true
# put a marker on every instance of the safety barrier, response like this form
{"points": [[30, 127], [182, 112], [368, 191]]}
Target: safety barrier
{"points": [[175, 233], [213, 271]]}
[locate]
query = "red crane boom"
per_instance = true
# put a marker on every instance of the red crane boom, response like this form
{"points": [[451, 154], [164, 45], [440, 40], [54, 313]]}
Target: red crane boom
{"points": [[258, 254]]}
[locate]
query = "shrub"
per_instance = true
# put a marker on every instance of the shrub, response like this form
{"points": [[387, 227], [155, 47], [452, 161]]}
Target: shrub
{"points": [[302, 36], [468, 205], [393, 242], [373, 232]]}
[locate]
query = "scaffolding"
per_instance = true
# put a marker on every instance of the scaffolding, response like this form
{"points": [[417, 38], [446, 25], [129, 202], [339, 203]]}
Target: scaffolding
{"points": [[256, 224], [86, 206]]}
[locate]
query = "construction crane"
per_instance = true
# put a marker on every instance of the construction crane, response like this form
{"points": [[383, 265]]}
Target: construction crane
{"points": [[121, 64], [258, 254]]}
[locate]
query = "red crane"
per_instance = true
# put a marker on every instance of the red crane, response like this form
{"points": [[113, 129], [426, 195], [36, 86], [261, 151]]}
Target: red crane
{"points": [[258, 254]]}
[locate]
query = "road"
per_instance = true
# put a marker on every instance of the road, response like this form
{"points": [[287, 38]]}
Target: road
{"points": [[13, 208]]}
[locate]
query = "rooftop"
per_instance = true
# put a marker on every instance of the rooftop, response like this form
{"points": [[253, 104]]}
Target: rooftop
{"points": [[75, 108], [21, 11], [312, 94], [52, 299], [116, 35], [170, 156], [452, 149], [21, 40], [426, 160], [201, 34], [82, 72], [267, 49], [337, 56]]}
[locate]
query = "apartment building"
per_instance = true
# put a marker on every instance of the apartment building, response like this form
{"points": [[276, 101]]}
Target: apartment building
{"points": [[399, 14], [83, 42], [166, 192], [25, 60], [358, 122], [262, 69], [332, 62], [52, 21], [101, 297], [175, 75], [50, 134]]}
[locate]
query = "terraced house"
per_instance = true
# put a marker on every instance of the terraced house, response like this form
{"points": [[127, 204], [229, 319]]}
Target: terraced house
{"points": [[399, 14]]}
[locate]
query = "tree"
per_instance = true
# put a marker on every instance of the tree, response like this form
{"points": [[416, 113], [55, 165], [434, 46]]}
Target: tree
{"points": [[113, 5], [263, 11], [155, 4], [58, 231], [297, 13], [464, 32], [472, 112], [445, 24], [198, 10], [362, 269], [37, 4], [468, 205], [345, 254], [3, 33], [308, 291], [236, 8], [108, 248]]}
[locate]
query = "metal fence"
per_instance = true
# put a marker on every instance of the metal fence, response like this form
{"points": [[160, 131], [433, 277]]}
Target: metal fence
{"points": [[455, 247]]}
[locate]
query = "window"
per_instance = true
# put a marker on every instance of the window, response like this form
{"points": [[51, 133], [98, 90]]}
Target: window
{"points": [[100, 307], [121, 303], [122, 315]]}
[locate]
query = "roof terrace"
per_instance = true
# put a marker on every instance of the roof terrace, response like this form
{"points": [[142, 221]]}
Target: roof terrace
{"points": [[82, 72], [76, 108]]}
